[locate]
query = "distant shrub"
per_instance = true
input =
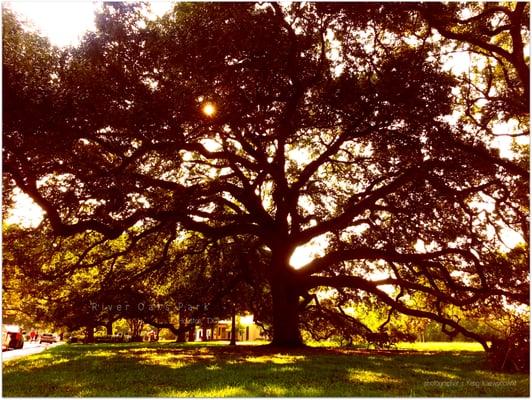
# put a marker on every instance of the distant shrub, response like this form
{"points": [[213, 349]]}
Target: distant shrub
{"points": [[389, 338], [166, 334], [109, 339]]}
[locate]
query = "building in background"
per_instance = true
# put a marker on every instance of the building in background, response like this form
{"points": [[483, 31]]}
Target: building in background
{"points": [[246, 330]]}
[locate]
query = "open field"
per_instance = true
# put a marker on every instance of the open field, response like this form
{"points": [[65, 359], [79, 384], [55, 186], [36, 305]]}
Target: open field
{"points": [[441, 346], [197, 370]]}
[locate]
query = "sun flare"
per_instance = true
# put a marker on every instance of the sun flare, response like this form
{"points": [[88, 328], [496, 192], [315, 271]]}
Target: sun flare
{"points": [[209, 109]]}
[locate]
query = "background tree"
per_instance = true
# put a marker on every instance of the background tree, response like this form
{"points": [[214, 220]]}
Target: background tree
{"points": [[190, 280]]}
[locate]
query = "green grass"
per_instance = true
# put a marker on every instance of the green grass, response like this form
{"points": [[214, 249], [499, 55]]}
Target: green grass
{"points": [[196, 370], [441, 346], [418, 346]]}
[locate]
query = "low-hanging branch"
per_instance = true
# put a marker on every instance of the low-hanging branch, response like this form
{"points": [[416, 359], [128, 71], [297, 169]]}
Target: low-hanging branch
{"points": [[372, 288]]}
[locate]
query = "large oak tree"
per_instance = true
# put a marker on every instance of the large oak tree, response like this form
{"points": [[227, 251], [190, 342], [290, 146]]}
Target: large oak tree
{"points": [[328, 125]]}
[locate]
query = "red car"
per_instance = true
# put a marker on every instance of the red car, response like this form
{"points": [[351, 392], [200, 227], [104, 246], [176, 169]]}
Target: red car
{"points": [[12, 337]]}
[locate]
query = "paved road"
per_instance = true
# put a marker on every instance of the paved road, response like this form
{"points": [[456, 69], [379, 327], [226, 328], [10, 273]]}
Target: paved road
{"points": [[28, 349]]}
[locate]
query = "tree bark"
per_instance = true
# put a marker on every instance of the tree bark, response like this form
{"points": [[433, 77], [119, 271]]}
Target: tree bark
{"points": [[109, 327], [181, 336], [89, 334], [285, 298], [233, 329]]}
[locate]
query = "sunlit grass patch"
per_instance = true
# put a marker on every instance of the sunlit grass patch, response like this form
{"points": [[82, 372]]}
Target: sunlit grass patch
{"points": [[165, 360], [434, 374], [102, 353], [358, 376], [225, 391], [418, 346], [36, 362], [275, 390], [275, 359], [441, 346]]}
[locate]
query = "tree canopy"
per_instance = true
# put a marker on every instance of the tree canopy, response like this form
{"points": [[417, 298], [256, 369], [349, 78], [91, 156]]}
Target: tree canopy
{"points": [[333, 127]]}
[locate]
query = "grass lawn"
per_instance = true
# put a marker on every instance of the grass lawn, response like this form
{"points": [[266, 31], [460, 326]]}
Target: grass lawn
{"points": [[197, 370]]}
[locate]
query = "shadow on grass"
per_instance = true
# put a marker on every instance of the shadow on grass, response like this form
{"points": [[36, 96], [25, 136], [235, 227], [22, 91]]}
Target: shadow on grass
{"points": [[170, 370]]}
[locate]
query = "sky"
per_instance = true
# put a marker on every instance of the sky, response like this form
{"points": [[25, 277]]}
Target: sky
{"points": [[65, 22], [62, 22]]}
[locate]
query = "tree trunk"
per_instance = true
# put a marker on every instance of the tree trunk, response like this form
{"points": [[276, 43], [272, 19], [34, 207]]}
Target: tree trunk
{"points": [[135, 326], [233, 329], [285, 298], [109, 328], [181, 335], [89, 334]]}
